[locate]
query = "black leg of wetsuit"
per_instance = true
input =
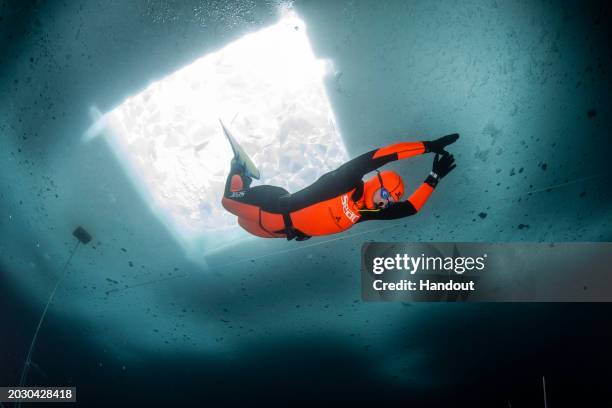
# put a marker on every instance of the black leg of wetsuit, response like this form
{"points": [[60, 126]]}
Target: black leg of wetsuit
{"points": [[265, 196]]}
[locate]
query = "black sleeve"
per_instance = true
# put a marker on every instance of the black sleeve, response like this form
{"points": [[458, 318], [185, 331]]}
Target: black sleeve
{"points": [[395, 211]]}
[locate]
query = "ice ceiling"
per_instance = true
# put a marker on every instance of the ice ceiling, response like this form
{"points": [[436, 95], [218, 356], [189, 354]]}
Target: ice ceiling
{"points": [[503, 75], [268, 86]]}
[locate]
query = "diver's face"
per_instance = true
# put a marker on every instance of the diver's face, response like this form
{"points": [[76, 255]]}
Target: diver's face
{"points": [[382, 199]]}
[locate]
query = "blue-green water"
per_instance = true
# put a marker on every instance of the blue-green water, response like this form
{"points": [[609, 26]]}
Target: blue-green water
{"points": [[525, 83]]}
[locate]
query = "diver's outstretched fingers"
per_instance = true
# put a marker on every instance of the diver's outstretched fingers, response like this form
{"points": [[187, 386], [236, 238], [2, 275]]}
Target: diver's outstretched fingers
{"points": [[438, 145], [436, 159], [450, 139], [448, 158], [443, 164]]}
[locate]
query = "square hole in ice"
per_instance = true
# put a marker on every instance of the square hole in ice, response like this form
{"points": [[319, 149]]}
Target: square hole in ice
{"points": [[268, 87]]}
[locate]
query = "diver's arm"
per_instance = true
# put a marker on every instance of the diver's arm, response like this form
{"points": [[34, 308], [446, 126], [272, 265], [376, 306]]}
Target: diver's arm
{"points": [[349, 176], [372, 160], [442, 166], [397, 210], [405, 150], [403, 208]]}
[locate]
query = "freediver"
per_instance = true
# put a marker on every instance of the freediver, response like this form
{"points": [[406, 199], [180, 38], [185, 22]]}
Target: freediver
{"points": [[338, 199]]}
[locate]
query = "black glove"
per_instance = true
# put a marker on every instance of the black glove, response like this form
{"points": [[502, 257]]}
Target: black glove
{"points": [[438, 145], [442, 165]]}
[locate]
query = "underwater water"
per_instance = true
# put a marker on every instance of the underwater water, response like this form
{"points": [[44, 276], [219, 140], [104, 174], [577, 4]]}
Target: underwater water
{"points": [[525, 83]]}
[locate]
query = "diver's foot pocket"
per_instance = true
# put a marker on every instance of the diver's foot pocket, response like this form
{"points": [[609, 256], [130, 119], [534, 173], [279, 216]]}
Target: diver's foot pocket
{"points": [[240, 155]]}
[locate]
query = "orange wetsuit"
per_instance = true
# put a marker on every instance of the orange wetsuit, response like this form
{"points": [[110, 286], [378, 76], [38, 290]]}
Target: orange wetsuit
{"points": [[332, 204]]}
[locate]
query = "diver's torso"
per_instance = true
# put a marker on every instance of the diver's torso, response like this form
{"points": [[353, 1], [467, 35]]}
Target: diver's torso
{"points": [[327, 217], [322, 218]]}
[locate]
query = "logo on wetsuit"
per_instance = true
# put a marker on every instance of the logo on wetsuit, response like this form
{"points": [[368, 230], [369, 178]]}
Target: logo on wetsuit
{"points": [[347, 211]]}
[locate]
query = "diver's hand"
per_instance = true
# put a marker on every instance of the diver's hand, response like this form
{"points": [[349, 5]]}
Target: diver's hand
{"points": [[443, 164], [438, 145]]}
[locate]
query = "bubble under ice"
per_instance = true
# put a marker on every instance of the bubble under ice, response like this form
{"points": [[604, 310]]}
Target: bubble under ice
{"points": [[268, 86]]}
